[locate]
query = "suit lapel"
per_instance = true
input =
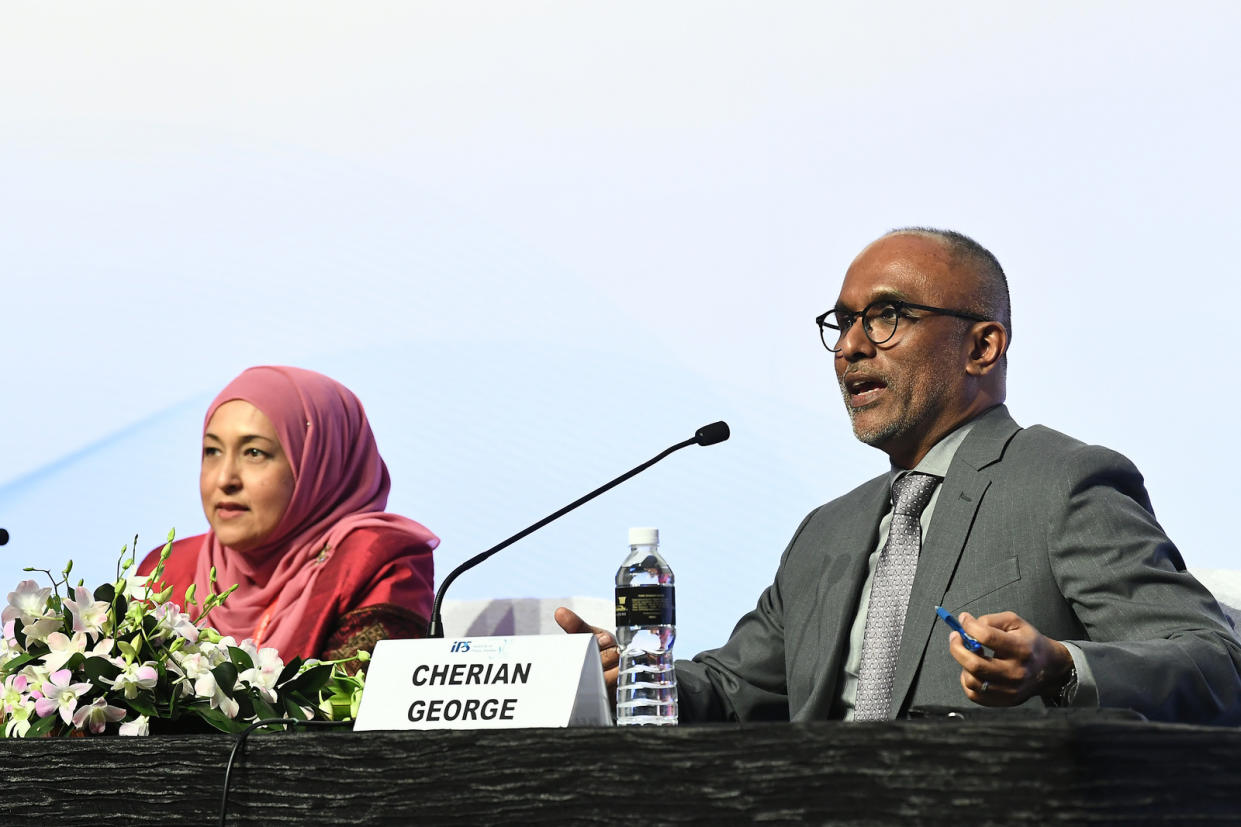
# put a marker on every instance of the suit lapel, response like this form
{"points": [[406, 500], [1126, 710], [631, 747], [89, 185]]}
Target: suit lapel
{"points": [[960, 495], [838, 596]]}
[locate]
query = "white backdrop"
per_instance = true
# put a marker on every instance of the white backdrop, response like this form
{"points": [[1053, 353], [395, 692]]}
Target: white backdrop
{"points": [[544, 240]]}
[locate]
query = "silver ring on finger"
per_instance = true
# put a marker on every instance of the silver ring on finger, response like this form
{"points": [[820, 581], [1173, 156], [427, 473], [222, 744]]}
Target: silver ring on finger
{"points": [[985, 686]]}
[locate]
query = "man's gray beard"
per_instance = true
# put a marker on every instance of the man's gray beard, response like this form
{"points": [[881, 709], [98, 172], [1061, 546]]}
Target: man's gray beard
{"points": [[909, 419], [876, 436]]}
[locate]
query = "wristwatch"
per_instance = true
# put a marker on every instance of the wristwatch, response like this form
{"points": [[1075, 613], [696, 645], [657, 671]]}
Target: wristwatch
{"points": [[1066, 693]]}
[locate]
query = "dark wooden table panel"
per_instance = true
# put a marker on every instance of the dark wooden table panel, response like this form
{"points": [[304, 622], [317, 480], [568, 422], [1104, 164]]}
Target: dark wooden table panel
{"points": [[1069, 769]]}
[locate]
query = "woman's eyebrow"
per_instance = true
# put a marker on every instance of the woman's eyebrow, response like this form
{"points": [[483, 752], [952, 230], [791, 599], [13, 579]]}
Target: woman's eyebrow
{"points": [[244, 439]]}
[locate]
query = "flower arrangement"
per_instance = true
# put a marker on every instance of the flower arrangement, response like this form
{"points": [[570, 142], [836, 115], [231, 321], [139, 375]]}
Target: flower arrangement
{"points": [[123, 656]]}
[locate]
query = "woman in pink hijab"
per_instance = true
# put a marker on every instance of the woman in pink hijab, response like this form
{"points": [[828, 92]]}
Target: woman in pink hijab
{"points": [[294, 490]]}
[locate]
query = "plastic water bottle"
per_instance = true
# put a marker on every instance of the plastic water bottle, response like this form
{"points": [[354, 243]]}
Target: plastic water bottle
{"points": [[646, 692]]}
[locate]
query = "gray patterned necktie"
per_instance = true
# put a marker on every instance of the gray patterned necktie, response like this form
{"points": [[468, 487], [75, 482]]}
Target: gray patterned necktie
{"points": [[889, 597]]}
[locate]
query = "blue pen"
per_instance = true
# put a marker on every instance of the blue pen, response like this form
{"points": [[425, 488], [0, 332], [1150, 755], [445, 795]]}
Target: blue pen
{"points": [[946, 616]]}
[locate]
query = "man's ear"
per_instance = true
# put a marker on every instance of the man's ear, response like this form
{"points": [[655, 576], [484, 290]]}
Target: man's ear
{"points": [[988, 344]]}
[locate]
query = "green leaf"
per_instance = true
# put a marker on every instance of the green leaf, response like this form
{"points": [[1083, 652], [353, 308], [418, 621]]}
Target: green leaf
{"points": [[142, 706], [219, 720], [16, 663], [245, 705], [106, 593], [99, 667], [290, 669], [42, 726], [239, 657], [310, 681], [226, 678], [293, 710], [262, 709], [19, 633], [128, 650], [336, 707]]}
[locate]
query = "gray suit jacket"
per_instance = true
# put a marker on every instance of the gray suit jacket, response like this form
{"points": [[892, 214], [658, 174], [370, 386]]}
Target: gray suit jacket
{"points": [[1028, 520]]}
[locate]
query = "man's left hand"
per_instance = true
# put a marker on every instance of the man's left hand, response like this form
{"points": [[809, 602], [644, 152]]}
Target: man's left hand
{"points": [[1025, 663]]}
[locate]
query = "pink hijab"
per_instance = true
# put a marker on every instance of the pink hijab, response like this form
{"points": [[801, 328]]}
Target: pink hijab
{"points": [[340, 484]]}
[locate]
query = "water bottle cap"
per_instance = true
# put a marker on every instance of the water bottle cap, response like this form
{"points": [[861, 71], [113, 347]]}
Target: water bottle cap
{"points": [[644, 536]]}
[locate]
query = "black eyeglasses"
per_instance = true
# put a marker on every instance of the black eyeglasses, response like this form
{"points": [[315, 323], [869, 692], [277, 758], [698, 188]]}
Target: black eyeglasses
{"points": [[879, 321]]}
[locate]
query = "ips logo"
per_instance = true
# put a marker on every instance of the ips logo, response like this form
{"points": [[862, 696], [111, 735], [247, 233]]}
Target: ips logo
{"points": [[460, 646]]}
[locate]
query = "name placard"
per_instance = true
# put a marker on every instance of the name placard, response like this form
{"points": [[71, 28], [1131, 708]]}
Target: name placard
{"points": [[485, 683]]}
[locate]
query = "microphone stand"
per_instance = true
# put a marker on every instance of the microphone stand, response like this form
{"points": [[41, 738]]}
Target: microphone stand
{"points": [[706, 435]]}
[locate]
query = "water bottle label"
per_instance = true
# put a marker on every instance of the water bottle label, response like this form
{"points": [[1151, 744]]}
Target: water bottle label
{"points": [[645, 606]]}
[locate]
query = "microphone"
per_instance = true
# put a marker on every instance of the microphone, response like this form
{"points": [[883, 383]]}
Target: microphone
{"points": [[706, 435], [711, 434], [4, 536]]}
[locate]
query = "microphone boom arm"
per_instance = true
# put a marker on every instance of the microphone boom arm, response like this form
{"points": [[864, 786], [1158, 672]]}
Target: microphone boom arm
{"points": [[707, 435]]}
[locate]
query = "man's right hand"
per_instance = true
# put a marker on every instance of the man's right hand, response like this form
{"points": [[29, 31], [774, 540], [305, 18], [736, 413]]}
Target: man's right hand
{"points": [[609, 654]]}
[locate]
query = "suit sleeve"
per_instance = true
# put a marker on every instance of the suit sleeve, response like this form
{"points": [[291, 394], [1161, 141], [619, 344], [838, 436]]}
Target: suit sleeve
{"points": [[1155, 639], [745, 679]]}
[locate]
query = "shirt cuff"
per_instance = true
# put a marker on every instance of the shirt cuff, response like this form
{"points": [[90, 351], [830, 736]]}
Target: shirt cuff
{"points": [[1087, 690]]}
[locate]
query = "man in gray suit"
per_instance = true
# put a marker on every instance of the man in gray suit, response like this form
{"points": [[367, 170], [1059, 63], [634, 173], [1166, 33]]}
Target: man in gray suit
{"points": [[1046, 548]]}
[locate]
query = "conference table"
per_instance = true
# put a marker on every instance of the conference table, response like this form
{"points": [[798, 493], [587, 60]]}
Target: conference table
{"points": [[1078, 768]]}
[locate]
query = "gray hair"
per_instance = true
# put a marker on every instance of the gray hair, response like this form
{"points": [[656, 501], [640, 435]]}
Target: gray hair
{"points": [[991, 294]]}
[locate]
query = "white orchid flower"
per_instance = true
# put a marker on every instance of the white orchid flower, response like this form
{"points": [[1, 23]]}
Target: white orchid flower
{"points": [[206, 687], [193, 665], [174, 621], [96, 715], [62, 647], [134, 677], [9, 647], [138, 726], [180, 678], [38, 629], [27, 602], [265, 673], [15, 693], [89, 615], [35, 673], [59, 695], [217, 653], [17, 720]]}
